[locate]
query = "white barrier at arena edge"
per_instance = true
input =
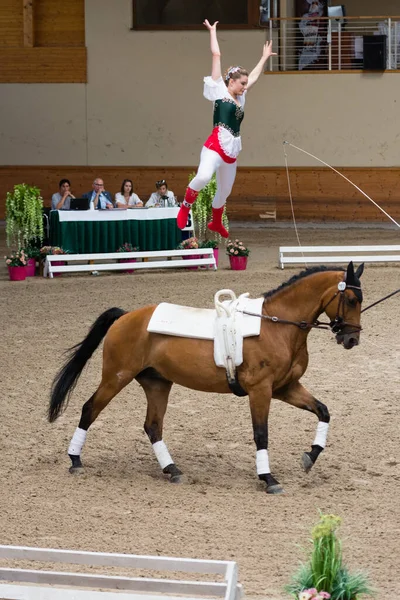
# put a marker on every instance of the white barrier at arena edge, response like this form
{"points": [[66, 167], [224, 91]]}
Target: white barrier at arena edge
{"points": [[108, 261], [337, 254], [24, 584]]}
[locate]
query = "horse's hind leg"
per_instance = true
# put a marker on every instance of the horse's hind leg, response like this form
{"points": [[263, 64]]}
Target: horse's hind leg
{"points": [[108, 388], [157, 391], [296, 395]]}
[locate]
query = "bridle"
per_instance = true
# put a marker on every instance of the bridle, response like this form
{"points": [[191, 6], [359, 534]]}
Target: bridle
{"points": [[336, 325]]}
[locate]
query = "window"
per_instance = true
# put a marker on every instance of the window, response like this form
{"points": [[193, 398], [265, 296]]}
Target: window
{"points": [[184, 14]]}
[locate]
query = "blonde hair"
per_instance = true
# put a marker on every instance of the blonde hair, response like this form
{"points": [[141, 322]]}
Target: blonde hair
{"points": [[234, 73]]}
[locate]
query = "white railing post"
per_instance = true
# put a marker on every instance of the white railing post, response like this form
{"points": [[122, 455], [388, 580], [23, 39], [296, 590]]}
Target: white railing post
{"points": [[329, 39], [395, 44], [284, 42], [270, 38], [339, 46], [389, 49]]}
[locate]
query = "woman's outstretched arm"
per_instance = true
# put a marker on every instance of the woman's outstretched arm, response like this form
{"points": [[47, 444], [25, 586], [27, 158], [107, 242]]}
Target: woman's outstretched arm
{"points": [[258, 69], [215, 51]]}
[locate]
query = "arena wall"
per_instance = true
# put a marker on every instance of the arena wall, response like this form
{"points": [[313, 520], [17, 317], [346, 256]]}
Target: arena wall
{"points": [[143, 105]]}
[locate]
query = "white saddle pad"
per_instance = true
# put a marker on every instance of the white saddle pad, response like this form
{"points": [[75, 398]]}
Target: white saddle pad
{"points": [[186, 321], [226, 325]]}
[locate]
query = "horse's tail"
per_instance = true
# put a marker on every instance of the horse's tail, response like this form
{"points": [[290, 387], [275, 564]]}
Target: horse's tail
{"points": [[67, 378]]}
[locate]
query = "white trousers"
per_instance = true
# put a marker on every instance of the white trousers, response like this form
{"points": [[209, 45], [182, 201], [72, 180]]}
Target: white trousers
{"points": [[210, 163]]}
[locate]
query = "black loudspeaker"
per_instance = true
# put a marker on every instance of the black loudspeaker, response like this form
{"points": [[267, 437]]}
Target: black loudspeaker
{"points": [[374, 47]]}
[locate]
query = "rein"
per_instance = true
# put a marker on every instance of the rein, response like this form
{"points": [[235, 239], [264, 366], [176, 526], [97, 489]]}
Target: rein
{"points": [[381, 300]]}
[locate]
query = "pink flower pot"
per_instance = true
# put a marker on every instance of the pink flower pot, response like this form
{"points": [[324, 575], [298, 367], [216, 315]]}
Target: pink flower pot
{"points": [[191, 257], [216, 255], [17, 273], [58, 263], [31, 267], [238, 263], [127, 260]]}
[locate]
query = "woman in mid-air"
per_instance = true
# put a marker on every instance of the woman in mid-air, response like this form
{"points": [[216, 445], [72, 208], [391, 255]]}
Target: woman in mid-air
{"points": [[222, 148]]}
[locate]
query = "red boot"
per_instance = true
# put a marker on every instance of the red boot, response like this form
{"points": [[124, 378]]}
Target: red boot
{"points": [[183, 214], [216, 222]]}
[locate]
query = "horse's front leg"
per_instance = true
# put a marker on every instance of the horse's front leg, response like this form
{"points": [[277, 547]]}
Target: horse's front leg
{"points": [[297, 395], [260, 401]]}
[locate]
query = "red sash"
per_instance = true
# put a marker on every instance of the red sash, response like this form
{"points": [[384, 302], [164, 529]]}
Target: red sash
{"points": [[213, 144]]}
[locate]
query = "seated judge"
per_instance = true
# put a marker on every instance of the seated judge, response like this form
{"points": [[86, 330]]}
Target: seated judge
{"points": [[162, 197], [126, 198], [101, 198], [62, 199]]}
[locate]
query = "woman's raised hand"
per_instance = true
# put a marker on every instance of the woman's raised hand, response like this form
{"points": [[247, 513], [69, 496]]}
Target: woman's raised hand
{"points": [[267, 50], [210, 27]]}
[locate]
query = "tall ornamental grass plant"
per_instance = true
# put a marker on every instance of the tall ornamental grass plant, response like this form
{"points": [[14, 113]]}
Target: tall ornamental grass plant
{"points": [[24, 215], [325, 569], [202, 210]]}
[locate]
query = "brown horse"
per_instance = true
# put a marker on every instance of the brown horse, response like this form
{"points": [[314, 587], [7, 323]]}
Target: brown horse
{"points": [[273, 362]]}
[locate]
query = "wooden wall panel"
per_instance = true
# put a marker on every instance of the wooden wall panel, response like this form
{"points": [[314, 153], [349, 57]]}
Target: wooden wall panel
{"points": [[42, 41], [43, 65], [59, 23], [11, 23], [318, 194]]}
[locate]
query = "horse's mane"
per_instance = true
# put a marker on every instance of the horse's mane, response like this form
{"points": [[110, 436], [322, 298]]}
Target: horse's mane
{"points": [[301, 275]]}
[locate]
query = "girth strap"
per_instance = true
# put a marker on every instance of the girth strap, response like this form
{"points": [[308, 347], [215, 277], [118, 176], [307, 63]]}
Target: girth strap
{"points": [[235, 386]]}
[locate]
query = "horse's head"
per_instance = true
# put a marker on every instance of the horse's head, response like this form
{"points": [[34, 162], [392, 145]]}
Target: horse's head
{"points": [[344, 309]]}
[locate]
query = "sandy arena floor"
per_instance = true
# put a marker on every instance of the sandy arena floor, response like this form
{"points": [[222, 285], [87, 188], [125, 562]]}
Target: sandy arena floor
{"points": [[123, 503]]}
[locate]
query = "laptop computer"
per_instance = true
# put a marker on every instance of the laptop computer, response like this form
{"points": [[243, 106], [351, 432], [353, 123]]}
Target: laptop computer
{"points": [[79, 204]]}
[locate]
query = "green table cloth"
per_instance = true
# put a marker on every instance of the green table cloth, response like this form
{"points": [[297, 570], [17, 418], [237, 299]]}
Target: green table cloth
{"points": [[82, 232]]}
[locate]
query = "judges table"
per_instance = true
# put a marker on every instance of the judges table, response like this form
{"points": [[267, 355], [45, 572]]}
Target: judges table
{"points": [[83, 232]]}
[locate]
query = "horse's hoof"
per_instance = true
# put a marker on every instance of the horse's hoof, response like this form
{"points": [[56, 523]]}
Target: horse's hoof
{"points": [[275, 489], [76, 470], [176, 478], [306, 462]]}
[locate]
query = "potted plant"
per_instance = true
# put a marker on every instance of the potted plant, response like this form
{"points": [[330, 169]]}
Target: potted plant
{"points": [[32, 254], [211, 244], [325, 570], [16, 263], [202, 208], [191, 243], [238, 254], [54, 251], [24, 215], [128, 247]]}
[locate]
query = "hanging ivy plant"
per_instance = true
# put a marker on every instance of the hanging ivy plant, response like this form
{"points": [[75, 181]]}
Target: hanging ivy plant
{"points": [[202, 211], [24, 215]]}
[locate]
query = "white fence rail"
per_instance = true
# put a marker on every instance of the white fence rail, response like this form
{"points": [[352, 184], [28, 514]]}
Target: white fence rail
{"points": [[335, 44], [290, 255], [171, 259], [135, 587]]}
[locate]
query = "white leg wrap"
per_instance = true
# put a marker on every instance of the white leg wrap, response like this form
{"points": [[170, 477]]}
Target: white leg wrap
{"points": [[321, 435], [77, 442], [262, 462], [162, 454]]}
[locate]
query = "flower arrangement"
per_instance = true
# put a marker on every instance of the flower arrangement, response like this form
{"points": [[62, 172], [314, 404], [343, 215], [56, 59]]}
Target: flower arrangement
{"points": [[236, 248], [325, 569], [128, 247], [208, 244], [54, 250], [16, 259], [24, 214], [313, 594], [190, 244], [32, 251], [202, 208]]}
